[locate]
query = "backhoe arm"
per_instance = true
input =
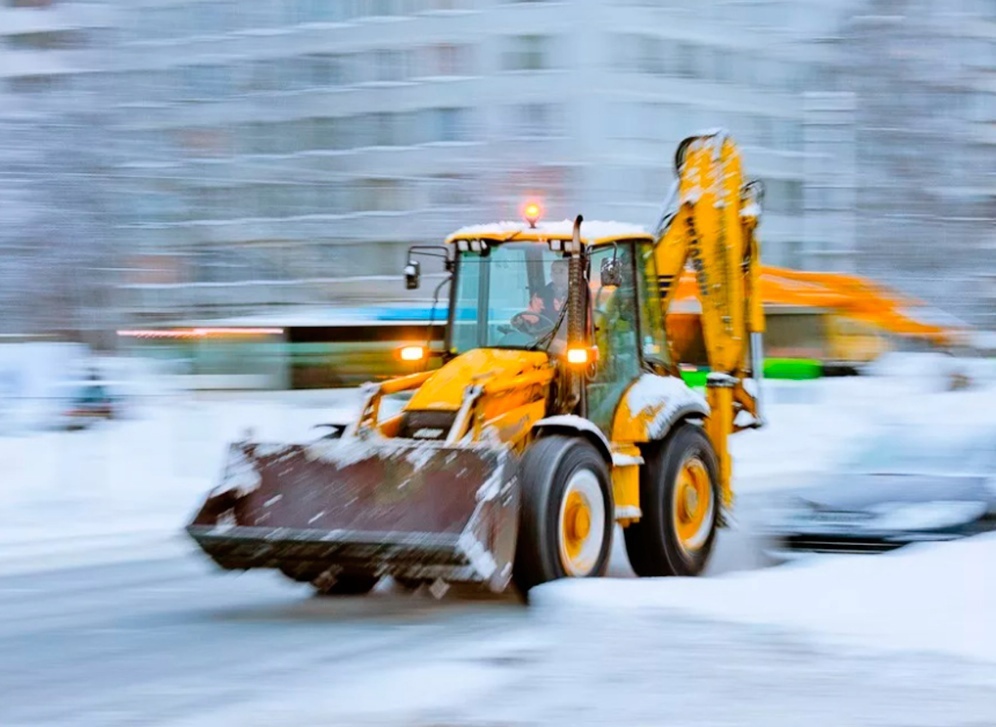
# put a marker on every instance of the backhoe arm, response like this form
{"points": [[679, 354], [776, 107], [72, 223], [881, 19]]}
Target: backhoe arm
{"points": [[710, 222]]}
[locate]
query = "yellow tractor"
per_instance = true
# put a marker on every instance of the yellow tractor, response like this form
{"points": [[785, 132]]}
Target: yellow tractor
{"points": [[557, 411]]}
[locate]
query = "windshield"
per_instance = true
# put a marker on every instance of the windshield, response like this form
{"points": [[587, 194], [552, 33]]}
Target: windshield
{"points": [[510, 296], [926, 453]]}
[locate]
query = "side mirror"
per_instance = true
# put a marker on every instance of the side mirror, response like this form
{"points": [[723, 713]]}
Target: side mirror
{"points": [[611, 272], [413, 274]]}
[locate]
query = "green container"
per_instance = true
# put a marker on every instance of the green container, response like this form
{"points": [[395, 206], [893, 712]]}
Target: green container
{"points": [[774, 368], [794, 369]]}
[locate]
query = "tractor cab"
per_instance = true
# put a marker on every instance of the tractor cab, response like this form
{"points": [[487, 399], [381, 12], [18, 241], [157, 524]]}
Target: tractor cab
{"points": [[511, 289]]}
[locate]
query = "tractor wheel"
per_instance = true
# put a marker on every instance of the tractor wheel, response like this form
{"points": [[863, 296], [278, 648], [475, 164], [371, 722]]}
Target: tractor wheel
{"points": [[566, 513], [679, 495]]}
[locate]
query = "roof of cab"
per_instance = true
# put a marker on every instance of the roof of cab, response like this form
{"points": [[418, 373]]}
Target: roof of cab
{"points": [[592, 233]]}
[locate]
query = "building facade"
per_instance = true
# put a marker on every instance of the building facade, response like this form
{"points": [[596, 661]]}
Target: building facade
{"points": [[55, 165], [924, 77], [242, 155], [289, 152]]}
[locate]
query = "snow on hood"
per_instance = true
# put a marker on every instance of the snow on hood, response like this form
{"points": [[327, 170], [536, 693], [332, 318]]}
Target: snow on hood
{"points": [[661, 397], [564, 229]]}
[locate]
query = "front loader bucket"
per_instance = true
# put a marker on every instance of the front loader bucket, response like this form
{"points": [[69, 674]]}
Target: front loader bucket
{"points": [[410, 509]]}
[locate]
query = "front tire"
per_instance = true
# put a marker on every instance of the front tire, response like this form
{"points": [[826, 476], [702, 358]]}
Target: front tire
{"points": [[566, 516], [679, 495]]}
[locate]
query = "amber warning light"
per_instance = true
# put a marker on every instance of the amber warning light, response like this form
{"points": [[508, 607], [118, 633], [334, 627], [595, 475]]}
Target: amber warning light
{"points": [[579, 356], [412, 353], [532, 212]]}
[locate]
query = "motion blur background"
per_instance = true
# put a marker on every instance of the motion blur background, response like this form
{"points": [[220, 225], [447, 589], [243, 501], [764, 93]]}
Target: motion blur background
{"points": [[170, 164], [165, 160]]}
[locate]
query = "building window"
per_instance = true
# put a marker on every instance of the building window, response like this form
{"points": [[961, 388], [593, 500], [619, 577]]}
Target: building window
{"points": [[451, 190], [259, 138], [687, 58], [30, 3], [448, 125], [312, 11], [381, 8], [328, 134], [205, 83], [266, 75], [379, 195], [528, 53], [34, 84], [533, 120], [448, 4], [203, 142], [390, 65], [383, 128], [446, 59], [323, 70], [48, 40]]}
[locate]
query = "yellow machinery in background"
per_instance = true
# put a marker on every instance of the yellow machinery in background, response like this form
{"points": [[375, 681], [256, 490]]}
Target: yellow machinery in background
{"points": [[557, 411], [848, 320]]}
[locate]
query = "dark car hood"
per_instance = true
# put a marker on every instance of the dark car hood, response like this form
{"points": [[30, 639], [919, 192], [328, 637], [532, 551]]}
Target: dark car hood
{"points": [[857, 492]]}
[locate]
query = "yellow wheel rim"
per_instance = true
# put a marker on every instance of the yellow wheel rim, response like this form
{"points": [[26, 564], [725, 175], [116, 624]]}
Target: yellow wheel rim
{"points": [[581, 524], [693, 507]]}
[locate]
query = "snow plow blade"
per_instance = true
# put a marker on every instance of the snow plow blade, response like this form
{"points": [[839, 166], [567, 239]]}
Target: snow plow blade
{"points": [[417, 510]]}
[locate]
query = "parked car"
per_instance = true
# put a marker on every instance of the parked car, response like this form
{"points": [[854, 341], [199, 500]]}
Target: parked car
{"points": [[903, 486], [88, 401]]}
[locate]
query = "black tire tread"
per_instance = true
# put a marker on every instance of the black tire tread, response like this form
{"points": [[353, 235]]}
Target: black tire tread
{"points": [[536, 557], [651, 544]]}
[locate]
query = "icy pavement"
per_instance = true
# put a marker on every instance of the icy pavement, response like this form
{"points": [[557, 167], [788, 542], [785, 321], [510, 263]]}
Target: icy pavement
{"points": [[174, 643], [108, 617]]}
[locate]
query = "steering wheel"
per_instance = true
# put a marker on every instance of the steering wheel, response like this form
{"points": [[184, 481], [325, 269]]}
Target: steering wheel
{"points": [[521, 323]]}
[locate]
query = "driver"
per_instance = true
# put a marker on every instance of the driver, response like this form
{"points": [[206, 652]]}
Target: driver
{"points": [[547, 305], [552, 298]]}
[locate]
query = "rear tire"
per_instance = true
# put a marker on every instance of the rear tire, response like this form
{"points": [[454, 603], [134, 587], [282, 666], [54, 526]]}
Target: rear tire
{"points": [[566, 516], [679, 495]]}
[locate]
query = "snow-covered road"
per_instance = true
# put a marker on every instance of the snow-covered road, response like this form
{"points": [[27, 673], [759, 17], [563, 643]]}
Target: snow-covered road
{"points": [[170, 642], [108, 616]]}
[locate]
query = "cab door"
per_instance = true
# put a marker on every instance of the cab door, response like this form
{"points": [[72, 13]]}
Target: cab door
{"points": [[615, 323]]}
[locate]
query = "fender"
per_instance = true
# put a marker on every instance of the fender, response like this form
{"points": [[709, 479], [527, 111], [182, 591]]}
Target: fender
{"points": [[574, 424], [653, 405]]}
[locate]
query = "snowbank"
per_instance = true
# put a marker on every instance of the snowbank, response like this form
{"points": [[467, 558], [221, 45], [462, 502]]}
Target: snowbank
{"points": [[934, 371], [936, 598], [137, 480]]}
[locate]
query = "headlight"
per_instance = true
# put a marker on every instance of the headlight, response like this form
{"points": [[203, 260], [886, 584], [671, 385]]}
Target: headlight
{"points": [[928, 515]]}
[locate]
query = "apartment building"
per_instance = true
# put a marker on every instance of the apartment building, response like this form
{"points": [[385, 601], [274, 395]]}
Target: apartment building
{"points": [[54, 227], [289, 152], [260, 153]]}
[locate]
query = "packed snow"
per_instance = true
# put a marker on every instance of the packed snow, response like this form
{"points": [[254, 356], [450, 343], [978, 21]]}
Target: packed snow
{"points": [[939, 598], [124, 489]]}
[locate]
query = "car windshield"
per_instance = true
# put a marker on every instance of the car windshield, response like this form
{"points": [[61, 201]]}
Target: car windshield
{"points": [[927, 452], [511, 295]]}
